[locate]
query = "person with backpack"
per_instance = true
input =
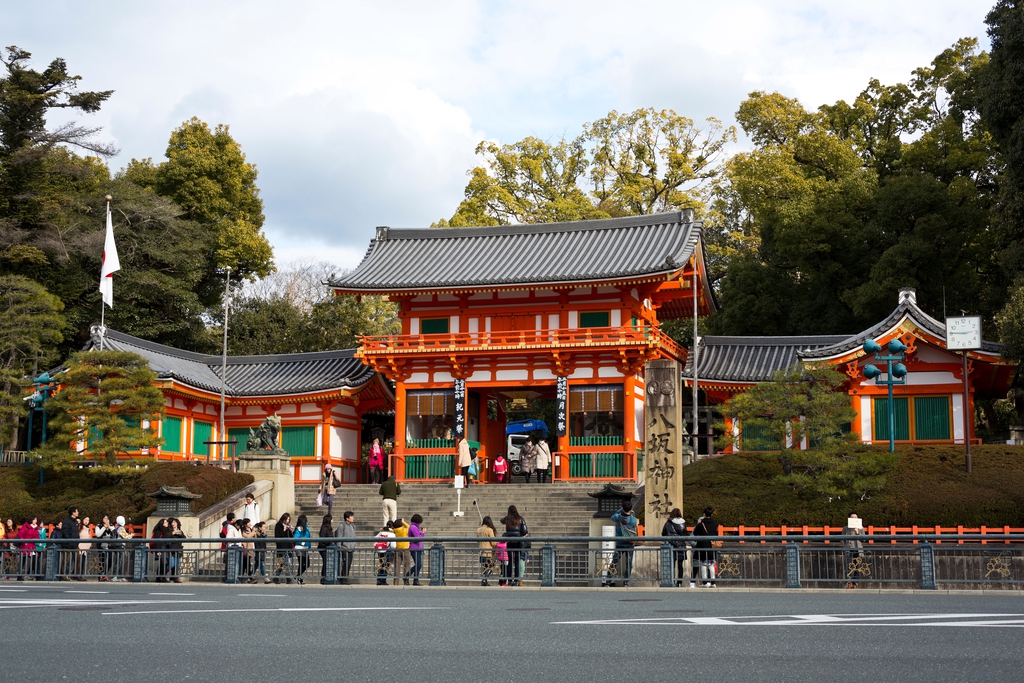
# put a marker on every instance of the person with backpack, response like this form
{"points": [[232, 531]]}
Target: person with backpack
{"points": [[528, 459], [345, 530], [283, 557], [416, 547], [385, 553], [465, 459], [626, 529], [119, 549], [301, 547], [675, 526], [328, 487], [543, 460], [326, 531], [260, 557], [486, 534], [376, 463], [705, 556], [105, 531], [515, 528], [500, 468]]}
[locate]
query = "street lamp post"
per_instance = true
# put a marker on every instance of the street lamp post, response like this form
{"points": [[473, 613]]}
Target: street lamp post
{"points": [[896, 373]]}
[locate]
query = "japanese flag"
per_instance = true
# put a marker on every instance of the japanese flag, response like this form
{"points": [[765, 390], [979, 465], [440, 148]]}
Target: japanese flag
{"points": [[111, 264]]}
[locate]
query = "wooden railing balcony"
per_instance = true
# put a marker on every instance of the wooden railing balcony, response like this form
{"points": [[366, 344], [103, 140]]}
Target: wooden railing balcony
{"points": [[518, 340]]}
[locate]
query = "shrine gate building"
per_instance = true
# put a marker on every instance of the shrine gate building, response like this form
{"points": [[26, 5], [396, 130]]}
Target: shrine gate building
{"points": [[929, 408], [499, 318]]}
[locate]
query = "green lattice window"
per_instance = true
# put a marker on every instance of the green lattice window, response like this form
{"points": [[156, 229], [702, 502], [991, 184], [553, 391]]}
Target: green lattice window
{"points": [[595, 319], [902, 419], [931, 417], [434, 326], [299, 441], [758, 438], [171, 433], [201, 431]]}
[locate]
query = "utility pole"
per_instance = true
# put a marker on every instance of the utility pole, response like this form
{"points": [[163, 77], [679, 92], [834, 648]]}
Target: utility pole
{"points": [[224, 360]]}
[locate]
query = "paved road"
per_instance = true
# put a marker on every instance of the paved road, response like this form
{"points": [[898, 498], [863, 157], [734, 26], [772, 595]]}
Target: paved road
{"points": [[205, 632]]}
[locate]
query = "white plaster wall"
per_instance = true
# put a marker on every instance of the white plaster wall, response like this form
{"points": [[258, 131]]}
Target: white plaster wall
{"points": [[350, 444], [443, 377], [287, 409], [480, 376], [553, 321], [335, 443], [638, 419], [574, 319], [414, 325], [609, 372], [501, 375], [309, 472], [866, 432], [958, 418], [233, 410], [582, 373], [543, 373], [418, 377], [309, 408], [616, 317], [453, 324], [343, 409], [474, 324]]}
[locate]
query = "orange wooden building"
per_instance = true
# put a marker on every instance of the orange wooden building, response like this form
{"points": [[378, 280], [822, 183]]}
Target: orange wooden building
{"points": [[929, 408], [320, 397], [502, 317]]}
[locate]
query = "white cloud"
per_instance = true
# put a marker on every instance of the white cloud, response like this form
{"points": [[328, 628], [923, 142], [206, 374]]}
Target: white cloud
{"points": [[367, 114]]}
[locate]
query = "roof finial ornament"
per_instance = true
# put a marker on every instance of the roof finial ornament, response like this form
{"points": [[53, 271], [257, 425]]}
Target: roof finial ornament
{"points": [[908, 295], [382, 233]]}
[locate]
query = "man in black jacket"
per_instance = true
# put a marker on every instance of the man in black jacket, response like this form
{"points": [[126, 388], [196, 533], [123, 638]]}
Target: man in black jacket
{"points": [[67, 551]]}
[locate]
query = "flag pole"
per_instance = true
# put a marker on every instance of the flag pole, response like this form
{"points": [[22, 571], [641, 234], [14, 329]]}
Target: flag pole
{"points": [[103, 306]]}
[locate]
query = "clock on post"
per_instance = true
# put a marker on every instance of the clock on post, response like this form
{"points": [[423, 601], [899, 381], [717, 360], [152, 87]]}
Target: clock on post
{"points": [[964, 334]]}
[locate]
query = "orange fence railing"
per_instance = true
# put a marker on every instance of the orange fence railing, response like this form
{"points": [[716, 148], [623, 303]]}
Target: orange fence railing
{"points": [[519, 339], [910, 531]]}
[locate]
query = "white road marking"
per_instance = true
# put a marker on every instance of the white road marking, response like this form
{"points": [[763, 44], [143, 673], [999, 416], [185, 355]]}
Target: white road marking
{"points": [[13, 590], [279, 609], [251, 595], [90, 592], [174, 594], [965, 620], [15, 603]]}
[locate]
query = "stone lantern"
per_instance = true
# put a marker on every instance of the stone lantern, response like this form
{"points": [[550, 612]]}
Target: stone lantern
{"points": [[174, 501]]}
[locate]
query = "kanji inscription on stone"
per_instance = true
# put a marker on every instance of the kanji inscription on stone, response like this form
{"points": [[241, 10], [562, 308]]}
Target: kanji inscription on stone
{"points": [[663, 443]]}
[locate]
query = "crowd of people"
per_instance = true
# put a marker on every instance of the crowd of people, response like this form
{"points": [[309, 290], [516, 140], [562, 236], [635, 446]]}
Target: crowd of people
{"points": [[25, 557]]}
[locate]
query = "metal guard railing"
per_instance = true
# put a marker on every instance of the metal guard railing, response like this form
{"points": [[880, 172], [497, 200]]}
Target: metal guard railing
{"points": [[756, 561]]}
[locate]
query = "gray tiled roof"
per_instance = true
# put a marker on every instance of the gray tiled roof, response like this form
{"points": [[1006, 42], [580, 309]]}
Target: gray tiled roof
{"points": [[580, 251], [907, 307], [288, 373], [751, 359]]}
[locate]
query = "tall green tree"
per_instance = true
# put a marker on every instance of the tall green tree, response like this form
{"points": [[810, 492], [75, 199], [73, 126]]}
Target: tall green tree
{"points": [[27, 96], [622, 164], [30, 328], [207, 175], [1001, 104], [835, 210], [104, 400], [801, 402]]}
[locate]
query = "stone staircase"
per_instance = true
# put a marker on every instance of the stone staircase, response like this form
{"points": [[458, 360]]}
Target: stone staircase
{"points": [[562, 509]]}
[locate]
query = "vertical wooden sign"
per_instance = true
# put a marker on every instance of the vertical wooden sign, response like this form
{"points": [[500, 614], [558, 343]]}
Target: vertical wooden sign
{"points": [[663, 442], [460, 407], [562, 398]]}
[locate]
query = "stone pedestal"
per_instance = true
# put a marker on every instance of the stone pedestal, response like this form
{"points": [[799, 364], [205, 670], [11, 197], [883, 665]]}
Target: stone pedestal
{"points": [[275, 467], [663, 443]]}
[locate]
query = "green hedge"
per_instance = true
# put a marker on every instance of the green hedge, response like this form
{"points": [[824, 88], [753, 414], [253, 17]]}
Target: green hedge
{"points": [[928, 486], [108, 490]]}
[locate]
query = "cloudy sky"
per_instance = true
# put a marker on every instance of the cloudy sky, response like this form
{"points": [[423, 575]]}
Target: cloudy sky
{"points": [[365, 114]]}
